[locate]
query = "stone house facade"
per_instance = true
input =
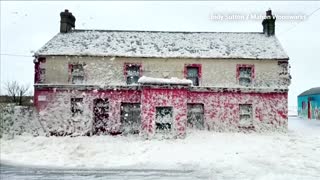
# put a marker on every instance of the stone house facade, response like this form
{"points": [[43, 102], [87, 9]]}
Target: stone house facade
{"points": [[156, 82]]}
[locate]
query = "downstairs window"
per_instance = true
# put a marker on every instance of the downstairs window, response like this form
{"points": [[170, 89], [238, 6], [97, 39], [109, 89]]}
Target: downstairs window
{"points": [[245, 115], [195, 117], [130, 118], [76, 106], [164, 119]]}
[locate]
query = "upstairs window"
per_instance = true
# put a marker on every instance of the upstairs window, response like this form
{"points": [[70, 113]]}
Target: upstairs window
{"points": [[245, 74], [42, 72], [132, 72], [193, 73], [245, 115], [77, 73], [76, 106]]}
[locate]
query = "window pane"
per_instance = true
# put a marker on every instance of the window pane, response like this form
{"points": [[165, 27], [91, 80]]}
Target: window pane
{"points": [[77, 69], [245, 115], [245, 75], [133, 74], [132, 79], [76, 106], [77, 73], [193, 75], [244, 81], [195, 80], [77, 79], [195, 116], [245, 72], [130, 118], [192, 72], [163, 119], [42, 75]]}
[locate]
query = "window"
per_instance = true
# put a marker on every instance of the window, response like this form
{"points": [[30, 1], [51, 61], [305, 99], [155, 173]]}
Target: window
{"points": [[42, 77], [130, 118], [195, 116], [132, 72], [163, 119], [100, 115], [245, 115], [77, 73], [76, 106], [40, 71], [193, 75], [245, 74]]}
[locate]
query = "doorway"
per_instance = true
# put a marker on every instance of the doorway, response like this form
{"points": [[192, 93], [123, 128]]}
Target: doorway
{"points": [[309, 108], [100, 115]]}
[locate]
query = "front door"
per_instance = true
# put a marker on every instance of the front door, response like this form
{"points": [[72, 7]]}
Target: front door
{"points": [[101, 115]]}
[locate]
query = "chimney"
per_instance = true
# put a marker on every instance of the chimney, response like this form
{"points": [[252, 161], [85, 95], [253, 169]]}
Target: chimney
{"points": [[268, 23], [67, 21]]}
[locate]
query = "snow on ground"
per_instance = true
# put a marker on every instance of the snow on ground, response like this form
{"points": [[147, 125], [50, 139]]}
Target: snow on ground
{"points": [[293, 111], [292, 155]]}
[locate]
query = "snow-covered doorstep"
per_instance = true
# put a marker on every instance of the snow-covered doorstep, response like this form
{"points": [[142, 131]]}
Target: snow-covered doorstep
{"points": [[165, 44], [292, 155]]}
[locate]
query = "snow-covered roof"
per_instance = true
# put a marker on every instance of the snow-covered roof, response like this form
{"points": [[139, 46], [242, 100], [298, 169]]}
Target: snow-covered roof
{"points": [[312, 91], [173, 80], [160, 44]]}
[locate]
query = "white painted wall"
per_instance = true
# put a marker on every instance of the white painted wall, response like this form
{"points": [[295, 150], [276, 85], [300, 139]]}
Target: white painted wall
{"points": [[109, 70]]}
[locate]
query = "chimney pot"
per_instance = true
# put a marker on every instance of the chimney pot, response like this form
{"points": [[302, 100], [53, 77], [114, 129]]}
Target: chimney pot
{"points": [[269, 13], [268, 23], [67, 21]]}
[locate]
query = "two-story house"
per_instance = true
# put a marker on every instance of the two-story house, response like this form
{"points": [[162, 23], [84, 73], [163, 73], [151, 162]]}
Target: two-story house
{"points": [[161, 82]]}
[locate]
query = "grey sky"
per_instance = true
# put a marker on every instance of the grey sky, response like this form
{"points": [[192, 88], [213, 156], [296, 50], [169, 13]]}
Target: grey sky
{"points": [[26, 26]]}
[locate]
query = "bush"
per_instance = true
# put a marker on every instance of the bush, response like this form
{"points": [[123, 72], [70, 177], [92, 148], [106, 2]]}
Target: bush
{"points": [[17, 120]]}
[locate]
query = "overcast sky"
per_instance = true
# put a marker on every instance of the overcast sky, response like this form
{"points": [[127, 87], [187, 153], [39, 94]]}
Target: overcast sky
{"points": [[26, 26]]}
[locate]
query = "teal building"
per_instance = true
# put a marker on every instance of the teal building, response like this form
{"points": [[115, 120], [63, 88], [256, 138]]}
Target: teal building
{"points": [[309, 104]]}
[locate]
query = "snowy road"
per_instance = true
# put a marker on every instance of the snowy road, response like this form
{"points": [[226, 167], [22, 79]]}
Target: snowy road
{"points": [[9, 172], [201, 155]]}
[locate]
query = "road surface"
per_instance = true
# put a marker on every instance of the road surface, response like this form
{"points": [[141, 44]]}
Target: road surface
{"points": [[14, 172]]}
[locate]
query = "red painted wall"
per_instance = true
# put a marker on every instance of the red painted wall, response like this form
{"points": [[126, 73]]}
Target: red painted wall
{"points": [[115, 99], [175, 98], [219, 107], [224, 106]]}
